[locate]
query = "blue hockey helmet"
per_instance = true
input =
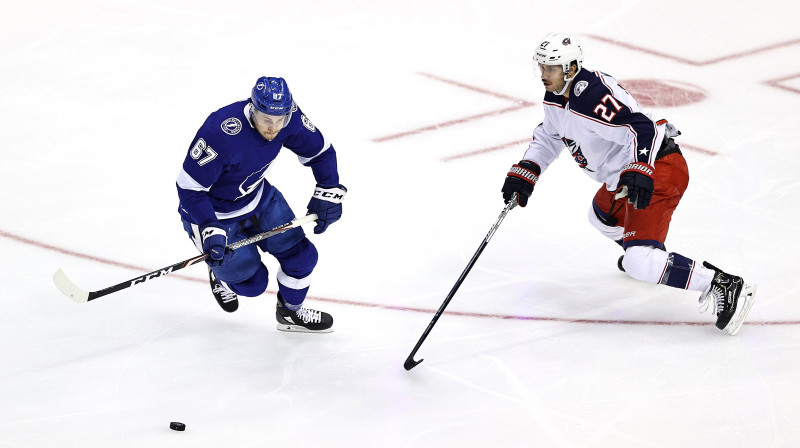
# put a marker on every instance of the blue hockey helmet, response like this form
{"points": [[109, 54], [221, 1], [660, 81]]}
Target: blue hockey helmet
{"points": [[271, 96]]}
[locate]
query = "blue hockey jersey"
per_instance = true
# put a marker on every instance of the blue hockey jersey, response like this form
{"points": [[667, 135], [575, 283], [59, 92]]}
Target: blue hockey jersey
{"points": [[224, 173]]}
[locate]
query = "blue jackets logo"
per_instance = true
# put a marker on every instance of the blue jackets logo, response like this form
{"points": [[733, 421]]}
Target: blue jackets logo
{"points": [[580, 87], [576, 152]]}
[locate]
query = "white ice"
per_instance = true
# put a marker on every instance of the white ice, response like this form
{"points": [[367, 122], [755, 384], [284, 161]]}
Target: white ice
{"points": [[546, 344]]}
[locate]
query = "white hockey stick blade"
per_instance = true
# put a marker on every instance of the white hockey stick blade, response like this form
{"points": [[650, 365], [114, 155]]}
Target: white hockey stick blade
{"points": [[68, 288]]}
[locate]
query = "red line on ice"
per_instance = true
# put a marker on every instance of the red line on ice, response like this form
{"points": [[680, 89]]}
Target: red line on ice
{"points": [[446, 124], [101, 260], [518, 104], [777, 83], [737, 55]]}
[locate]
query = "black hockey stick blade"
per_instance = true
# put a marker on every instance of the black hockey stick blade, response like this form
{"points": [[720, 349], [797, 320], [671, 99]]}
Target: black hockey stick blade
{"points": [[74, 292], [410, 362]]}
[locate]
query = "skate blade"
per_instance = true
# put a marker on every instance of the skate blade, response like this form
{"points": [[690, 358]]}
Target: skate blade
{"points": [[746, 300], [301, 329]]}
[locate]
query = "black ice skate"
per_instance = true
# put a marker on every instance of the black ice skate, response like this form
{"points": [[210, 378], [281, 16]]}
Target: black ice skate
{"points": [[730, 297], [226, 298], [303, 320]]}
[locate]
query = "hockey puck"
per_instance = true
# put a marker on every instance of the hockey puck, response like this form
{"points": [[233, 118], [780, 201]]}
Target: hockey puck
{"points": [[177, 426]]}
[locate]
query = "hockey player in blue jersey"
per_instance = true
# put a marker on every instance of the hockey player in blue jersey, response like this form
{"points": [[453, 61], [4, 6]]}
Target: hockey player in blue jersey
{"points": [[225, 197], [643, 172]]}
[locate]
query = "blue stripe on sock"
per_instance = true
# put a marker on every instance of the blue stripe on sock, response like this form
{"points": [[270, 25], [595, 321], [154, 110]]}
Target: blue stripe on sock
{"points": [[678, 271]]}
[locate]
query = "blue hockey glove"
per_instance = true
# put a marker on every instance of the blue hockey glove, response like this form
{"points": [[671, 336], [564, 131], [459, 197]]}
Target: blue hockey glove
{"points": [[638, 178], [520, 179], [215, 238], [327, 204]]}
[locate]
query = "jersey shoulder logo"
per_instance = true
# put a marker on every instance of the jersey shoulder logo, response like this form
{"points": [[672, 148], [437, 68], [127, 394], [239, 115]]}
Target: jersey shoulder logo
{"points": [[307, 123], [580, 87], [231, 126]]}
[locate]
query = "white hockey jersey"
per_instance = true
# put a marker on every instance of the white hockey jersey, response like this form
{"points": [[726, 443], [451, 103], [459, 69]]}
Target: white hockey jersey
{"points": [[601, 124]]}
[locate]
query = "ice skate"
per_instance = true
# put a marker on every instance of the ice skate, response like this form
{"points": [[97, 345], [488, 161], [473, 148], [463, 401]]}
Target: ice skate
{"points": [[226, 298], [729, 298], [303, 320]]}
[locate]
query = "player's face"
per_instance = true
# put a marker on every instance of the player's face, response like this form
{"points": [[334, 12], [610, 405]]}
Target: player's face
{"points": [[552, 77], [268, 125]]}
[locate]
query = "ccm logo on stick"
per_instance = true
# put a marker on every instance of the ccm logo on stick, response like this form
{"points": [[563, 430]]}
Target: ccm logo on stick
{"points": [[150, 276]]}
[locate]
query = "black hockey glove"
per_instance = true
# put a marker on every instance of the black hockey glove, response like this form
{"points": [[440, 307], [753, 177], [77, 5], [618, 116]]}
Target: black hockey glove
{"points": [[520, 179], [637, 177], [215, 238], [327, 204]]}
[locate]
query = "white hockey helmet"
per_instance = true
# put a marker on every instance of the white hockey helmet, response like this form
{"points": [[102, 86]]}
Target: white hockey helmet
{"points": [[559, 49]]}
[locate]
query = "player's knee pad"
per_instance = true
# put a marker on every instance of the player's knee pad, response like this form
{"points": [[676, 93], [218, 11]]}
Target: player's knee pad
{"points": [[645, 263], [244, 264], [253, 286], [606, 227], [299, 260]]}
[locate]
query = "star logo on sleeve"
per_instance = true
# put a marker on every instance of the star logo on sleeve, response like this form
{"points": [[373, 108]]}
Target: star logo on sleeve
{"points": [[643, 151]]}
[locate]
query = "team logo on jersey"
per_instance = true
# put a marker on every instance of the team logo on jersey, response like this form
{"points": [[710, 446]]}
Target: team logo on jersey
{"points": [[580, 87], [253, 181], [307, 123], [231, 126], [577, 154]]}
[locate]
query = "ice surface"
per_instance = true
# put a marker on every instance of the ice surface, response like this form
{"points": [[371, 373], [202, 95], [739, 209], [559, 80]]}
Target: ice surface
{"points": [[546, 344]]}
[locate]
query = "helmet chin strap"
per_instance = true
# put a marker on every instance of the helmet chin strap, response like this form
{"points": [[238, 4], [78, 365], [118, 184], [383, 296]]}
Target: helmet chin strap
{"points": [[566, 84]]}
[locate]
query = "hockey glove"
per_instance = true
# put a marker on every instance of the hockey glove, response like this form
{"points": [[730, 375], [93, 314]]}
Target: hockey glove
{"points": [[520, 179], [637, 177], [215, 238], [327, 204]]}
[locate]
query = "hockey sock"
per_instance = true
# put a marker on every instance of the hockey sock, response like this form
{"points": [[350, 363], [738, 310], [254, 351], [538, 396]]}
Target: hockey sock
{"points": [[678, 271], [701, 278], [293, 290]]}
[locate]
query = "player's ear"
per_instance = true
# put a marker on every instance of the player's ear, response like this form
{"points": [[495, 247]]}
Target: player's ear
{"points": [[573, 69]]}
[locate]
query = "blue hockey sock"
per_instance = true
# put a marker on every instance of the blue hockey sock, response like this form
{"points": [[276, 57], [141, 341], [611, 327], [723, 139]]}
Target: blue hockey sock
{"points": [[292, 298], [678, 271]]}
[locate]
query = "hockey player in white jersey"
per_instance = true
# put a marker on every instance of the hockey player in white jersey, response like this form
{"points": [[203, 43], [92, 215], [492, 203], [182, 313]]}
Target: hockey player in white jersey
{"points": [[643, 173]]}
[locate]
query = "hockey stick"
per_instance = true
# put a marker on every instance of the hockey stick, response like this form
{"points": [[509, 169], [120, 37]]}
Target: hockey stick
{"points": [[410, 362], [71, 290]]}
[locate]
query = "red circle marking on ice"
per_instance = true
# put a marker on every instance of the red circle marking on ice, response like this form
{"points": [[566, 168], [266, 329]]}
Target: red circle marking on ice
{"points": [[663, 93]]}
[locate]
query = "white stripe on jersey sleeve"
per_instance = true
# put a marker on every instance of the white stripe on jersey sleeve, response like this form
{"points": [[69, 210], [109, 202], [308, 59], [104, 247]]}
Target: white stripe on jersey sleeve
{"points": [[187, 182], [326, 144]]}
